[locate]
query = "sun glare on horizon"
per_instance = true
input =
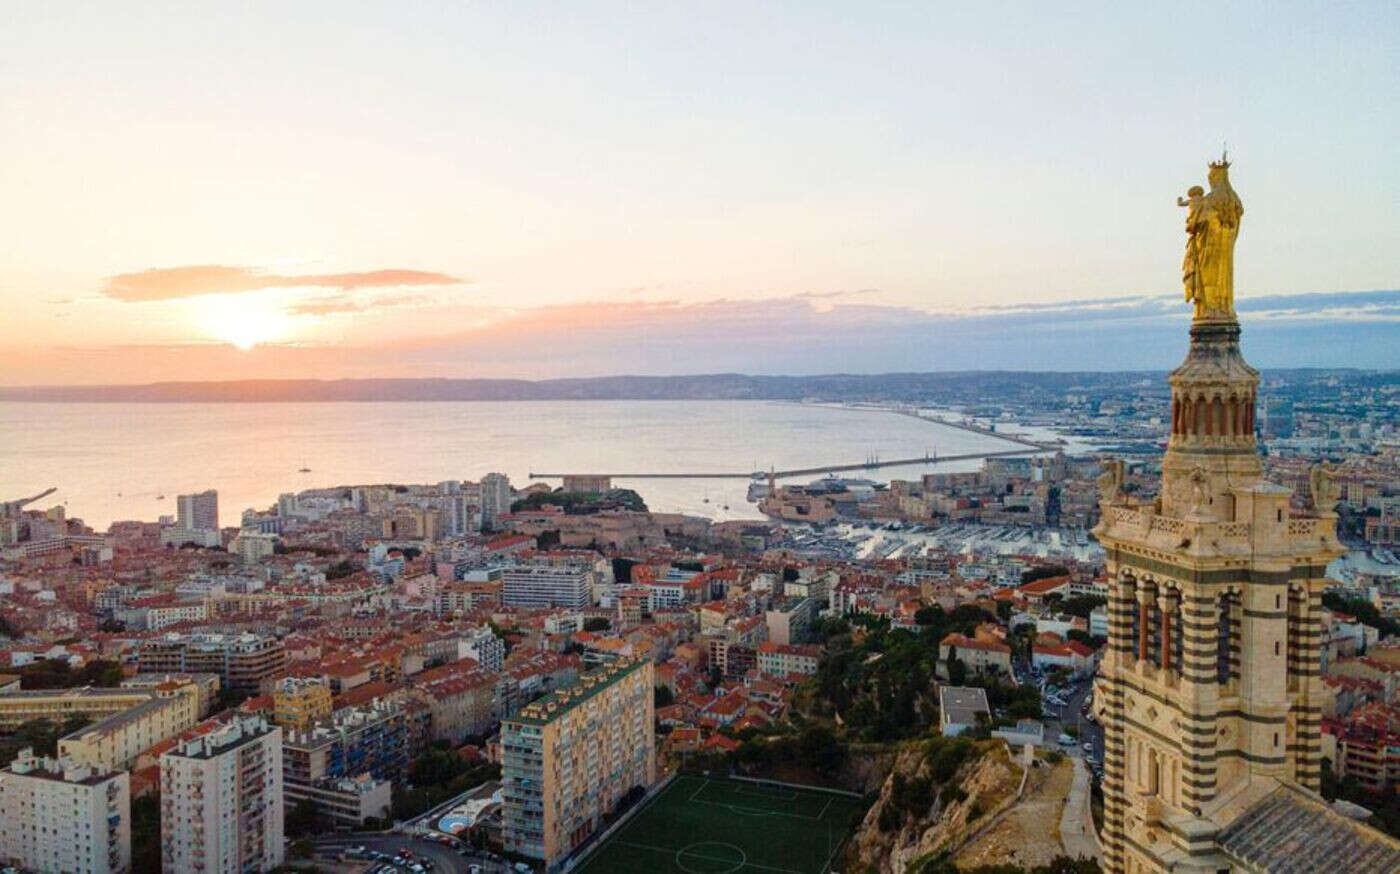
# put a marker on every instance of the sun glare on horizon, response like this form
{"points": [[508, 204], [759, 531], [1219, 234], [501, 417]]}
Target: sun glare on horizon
{"points": [[241, 321]]}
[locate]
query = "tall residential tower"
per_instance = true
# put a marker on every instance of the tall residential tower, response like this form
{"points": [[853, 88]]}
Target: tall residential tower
{"points": [[221, 801]]}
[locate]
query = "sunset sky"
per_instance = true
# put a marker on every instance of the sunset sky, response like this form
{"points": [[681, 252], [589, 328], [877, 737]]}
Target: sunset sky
{"points": [[537, 190]]}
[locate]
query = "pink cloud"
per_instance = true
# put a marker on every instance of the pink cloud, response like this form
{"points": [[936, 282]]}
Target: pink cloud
{"points": [[175, 282]]}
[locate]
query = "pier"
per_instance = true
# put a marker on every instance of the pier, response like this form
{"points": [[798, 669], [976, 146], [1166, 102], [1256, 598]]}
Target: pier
{"points": [[928, 459]]}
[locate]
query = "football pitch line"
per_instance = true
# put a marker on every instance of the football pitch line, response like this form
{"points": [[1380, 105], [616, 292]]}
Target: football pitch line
{"points": [[757, 811], [676, 853]]}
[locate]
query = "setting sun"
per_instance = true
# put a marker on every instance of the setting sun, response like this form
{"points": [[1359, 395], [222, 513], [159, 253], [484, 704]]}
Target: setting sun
{"points": [[242, 321]]}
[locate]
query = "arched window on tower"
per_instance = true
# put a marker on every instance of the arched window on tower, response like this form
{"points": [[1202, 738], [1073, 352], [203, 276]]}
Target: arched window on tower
{"points": [[1296, 657], [1129, 607], [1178, 631], [1154, 628], [1227, 639]]}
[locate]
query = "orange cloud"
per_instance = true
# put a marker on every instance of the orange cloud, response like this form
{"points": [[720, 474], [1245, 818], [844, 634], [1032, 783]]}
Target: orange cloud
{"points": [[342, 303], [176, 282]]}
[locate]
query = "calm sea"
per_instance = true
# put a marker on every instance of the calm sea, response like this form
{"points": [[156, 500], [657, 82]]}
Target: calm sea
{"points": [[113, 461]]}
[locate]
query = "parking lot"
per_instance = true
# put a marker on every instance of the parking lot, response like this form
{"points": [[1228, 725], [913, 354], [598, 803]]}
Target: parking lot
{"points": [[434, 857]]}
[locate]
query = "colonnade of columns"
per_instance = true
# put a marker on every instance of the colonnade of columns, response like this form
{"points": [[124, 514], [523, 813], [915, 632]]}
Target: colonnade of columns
{"points": [[1215, 416], [1157, 611]]}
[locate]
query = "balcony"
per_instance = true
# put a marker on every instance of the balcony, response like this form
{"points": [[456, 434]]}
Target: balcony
{"points": [[1151, 807]]}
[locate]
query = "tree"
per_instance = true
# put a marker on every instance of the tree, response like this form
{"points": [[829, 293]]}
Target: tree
{"points": [[1083, 637], [1363, 610], [820, 750], [957, 671], [145, 833], [1082, 605], [596, 623], [662, 696], [301, 818], [622, 570], [1043, 572], [929, 615]]}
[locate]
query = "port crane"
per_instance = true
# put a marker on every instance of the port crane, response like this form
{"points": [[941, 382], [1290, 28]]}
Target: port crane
{"points": [[12, 508]]}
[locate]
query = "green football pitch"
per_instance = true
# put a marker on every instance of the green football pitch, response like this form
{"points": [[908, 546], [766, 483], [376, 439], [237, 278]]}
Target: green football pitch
{"points": [[699, 825]]}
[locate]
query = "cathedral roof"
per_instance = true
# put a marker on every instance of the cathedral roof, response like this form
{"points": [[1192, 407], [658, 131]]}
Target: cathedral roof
{"points": [[1290, 831]]}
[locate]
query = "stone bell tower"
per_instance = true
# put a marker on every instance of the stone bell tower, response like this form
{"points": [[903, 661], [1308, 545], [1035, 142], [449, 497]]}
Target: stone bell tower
{"points": [[1209, 690]]}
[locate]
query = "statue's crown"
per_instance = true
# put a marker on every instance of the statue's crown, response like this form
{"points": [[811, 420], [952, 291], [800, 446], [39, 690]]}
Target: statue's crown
{"points": [[1223, 163]]}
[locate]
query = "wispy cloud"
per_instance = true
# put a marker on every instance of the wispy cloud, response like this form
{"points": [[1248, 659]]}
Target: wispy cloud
{"points": [[166, 283], [347, 303]]}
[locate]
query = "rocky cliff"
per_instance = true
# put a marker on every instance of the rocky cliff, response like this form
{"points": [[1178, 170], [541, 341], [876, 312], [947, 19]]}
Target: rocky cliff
{"points": [[939, 792]]}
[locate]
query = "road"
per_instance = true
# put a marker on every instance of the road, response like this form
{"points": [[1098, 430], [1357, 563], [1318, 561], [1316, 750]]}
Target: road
{"points": [[1074, 821], [1088, 732], [444, 858]]}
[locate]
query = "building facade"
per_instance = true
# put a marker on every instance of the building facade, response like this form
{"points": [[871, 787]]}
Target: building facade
{"points": [[221, 801], [495, 499], [242, 661], [63, 816], [297, 702], [568, 758], [345, 765], [545, 586], [198, 512]]}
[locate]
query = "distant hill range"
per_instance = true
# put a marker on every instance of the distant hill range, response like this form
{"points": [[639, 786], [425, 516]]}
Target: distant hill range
{"points": [[963, 386]]}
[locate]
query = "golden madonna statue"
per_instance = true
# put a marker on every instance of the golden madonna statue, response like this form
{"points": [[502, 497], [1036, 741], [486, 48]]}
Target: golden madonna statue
{"points": [[1212, 224]]}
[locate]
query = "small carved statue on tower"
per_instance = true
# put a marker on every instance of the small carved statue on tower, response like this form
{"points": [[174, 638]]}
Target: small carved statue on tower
{"points": [[1111, 480], [1212, 224], [1322, 482]]}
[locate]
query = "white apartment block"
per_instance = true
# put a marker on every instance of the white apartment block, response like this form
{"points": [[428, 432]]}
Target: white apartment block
{"points": [[62, 816], [483, 645], [254, 546], [198, 512], [495, 498], [221, 801], [546, 587]]}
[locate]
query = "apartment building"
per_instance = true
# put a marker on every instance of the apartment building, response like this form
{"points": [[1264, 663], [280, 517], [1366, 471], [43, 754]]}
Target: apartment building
{"points": [[463, 596], [198, 512], [483, 645], [983, 653], [568, 758], [546, 586], [788, 659], [346, 765], [495, 498], [297, 702], [221, 801], [206, 686], [63, 816], [790, 619], [242, 661], [114, 743], [160, 611], [56, 705], [460, 704], [253, 546]]}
